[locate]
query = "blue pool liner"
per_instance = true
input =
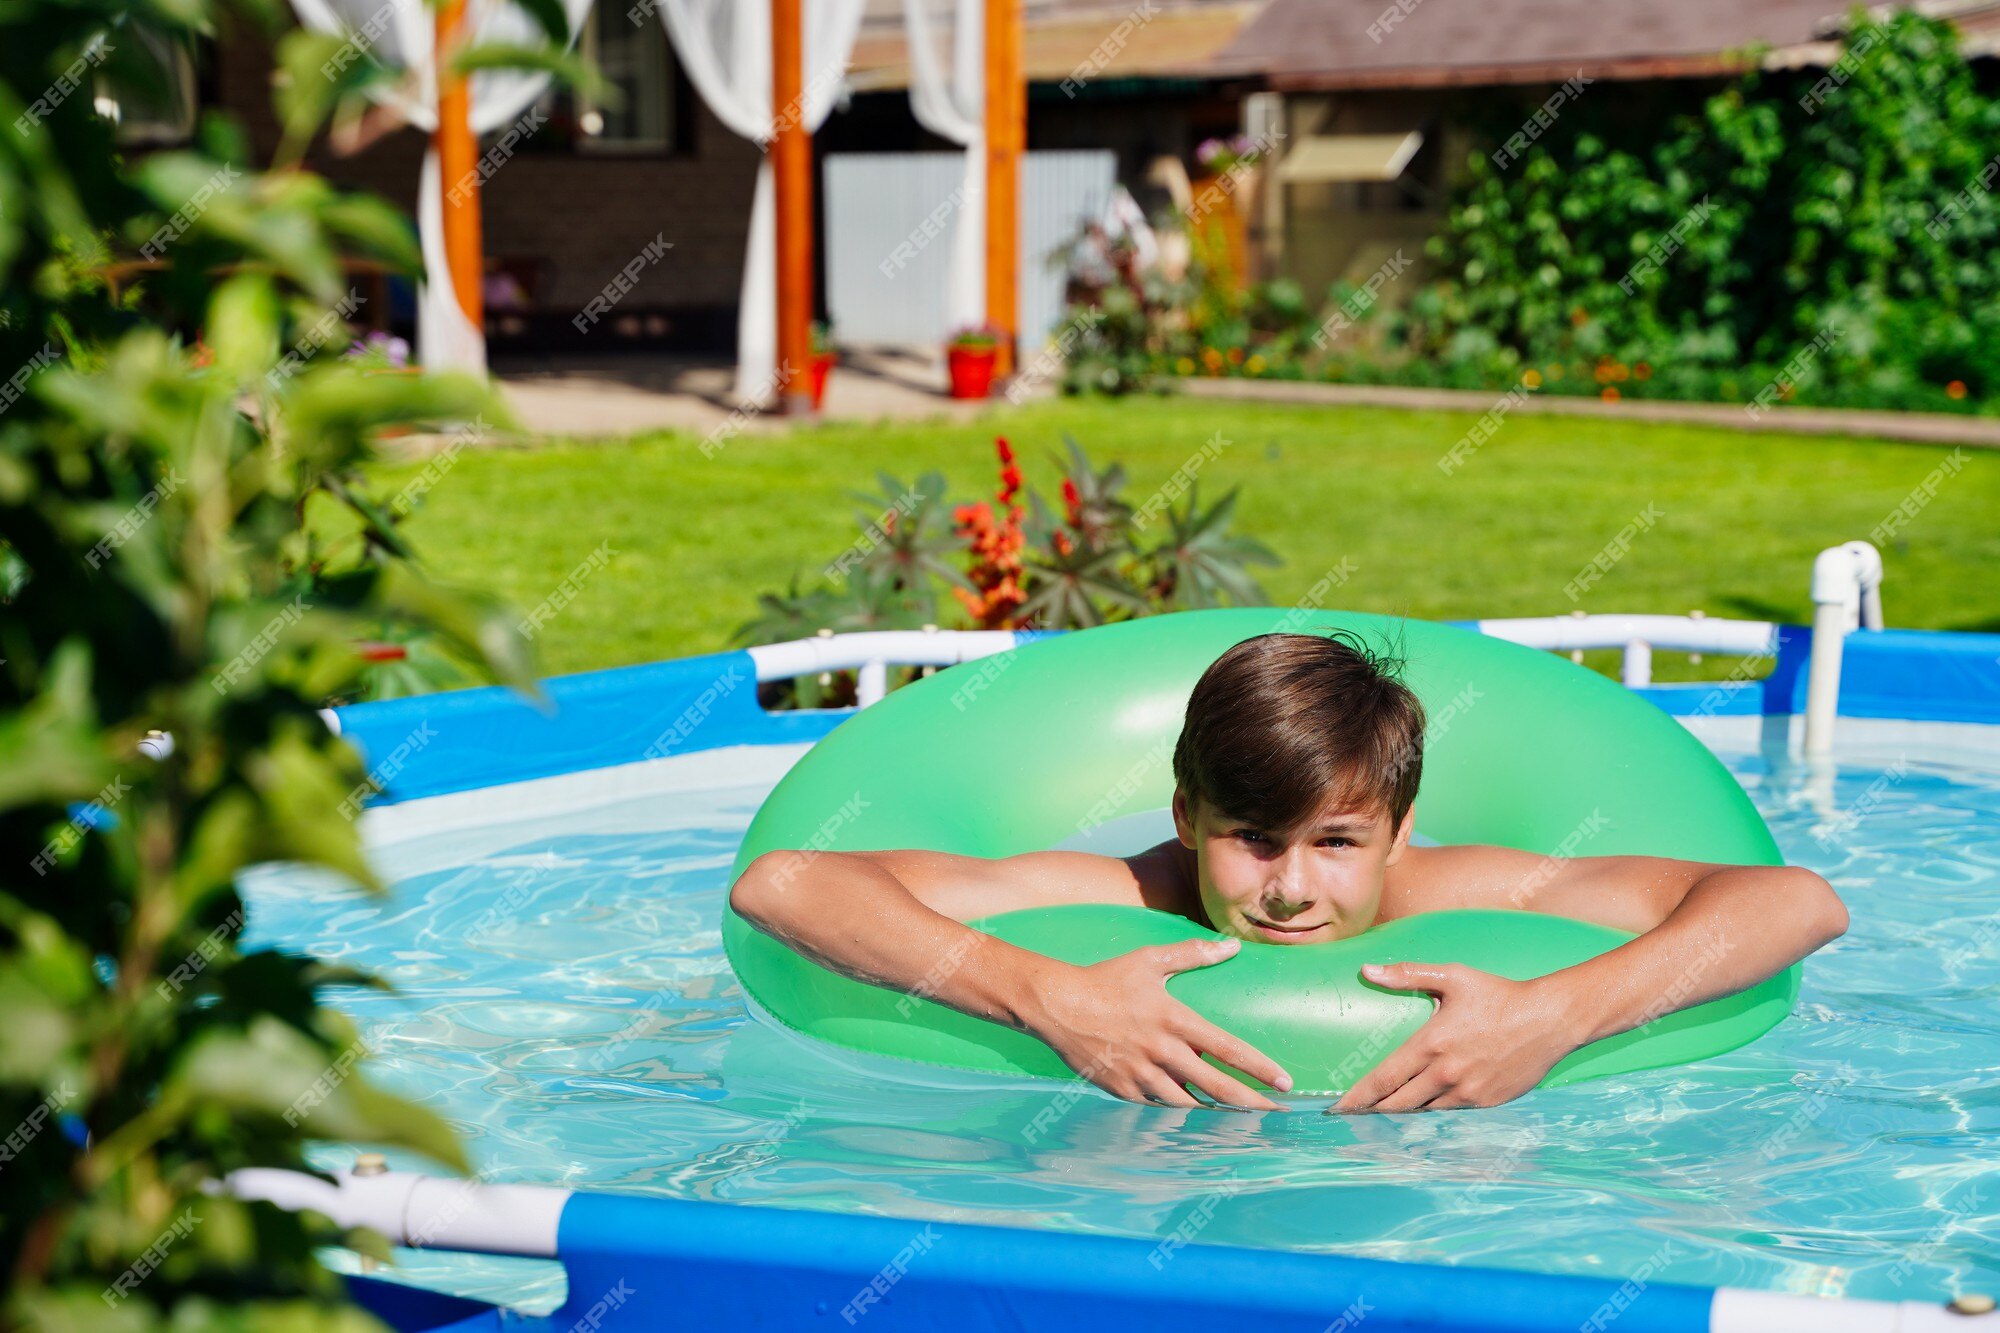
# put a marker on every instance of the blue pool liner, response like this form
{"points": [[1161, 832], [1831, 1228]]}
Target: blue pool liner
{"points": [[652, 1263], [658, 1263], [467, 739]]}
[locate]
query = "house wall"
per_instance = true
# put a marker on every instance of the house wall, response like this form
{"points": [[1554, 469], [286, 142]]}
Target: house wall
{"points": [[582, 215], [1324, 232]]}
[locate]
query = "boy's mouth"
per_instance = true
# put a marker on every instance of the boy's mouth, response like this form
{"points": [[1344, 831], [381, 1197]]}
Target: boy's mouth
{"points": [[1281, 934]]}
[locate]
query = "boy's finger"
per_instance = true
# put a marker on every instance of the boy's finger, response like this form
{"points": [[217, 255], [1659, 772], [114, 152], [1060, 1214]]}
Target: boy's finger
{"points": [[1190, 954], [1161, 1090], [1235, 1052], [1437, 978], [1414, 1095], [1401, 1066], [1218, 1085]]}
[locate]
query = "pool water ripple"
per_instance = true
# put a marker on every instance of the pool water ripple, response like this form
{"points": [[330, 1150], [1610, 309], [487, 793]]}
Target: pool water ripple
{"points": [[564, 1000]]}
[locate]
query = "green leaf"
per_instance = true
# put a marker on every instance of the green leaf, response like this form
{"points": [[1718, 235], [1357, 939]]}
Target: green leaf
{"points": [[274, 1073]]}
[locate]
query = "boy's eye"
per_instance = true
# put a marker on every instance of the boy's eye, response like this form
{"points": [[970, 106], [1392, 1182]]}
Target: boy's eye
{"points": [[1250, 835], [1336, 841]]}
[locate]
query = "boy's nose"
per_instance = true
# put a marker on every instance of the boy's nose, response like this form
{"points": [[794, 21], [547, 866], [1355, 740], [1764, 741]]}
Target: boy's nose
{"points": [[1283, 903]]}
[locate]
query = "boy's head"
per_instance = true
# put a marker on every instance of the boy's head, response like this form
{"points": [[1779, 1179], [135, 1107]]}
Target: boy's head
{"points": [[1295, 777]]}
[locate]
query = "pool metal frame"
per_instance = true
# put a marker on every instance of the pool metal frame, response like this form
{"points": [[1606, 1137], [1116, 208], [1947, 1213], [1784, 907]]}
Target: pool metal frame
{"points": [[659, 1263]]}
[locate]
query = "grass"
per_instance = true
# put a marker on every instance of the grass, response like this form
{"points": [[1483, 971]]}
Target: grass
{"points": [[1738, 516]]}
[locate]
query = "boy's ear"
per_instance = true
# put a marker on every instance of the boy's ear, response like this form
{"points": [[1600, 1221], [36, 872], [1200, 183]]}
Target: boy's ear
{"points": [[1184, 817], [1403, 832]]}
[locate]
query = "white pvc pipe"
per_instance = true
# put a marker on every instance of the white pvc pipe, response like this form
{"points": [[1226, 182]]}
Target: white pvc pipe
{"points": [[906, 647], [1636, 669], [872, 684], [417, 1210], [1688, 634], [1738, 1310], [1847, 595], [1829, 639]]}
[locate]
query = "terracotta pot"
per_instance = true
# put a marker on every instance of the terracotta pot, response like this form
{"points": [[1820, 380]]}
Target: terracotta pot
{"points": [[816, 381], [971, 370]]}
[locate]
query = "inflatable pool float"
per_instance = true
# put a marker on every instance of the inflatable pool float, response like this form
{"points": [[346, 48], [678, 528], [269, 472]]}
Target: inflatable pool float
{"points": [[1029, 748]]}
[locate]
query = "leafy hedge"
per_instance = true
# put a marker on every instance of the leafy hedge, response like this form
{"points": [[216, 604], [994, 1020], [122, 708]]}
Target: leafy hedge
{"points": [[1818, 236], [1821, 201]]}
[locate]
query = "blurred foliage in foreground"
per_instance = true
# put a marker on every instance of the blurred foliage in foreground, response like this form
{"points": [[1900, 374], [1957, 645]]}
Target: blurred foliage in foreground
{"points": [[1818, 236], [158, 451]]}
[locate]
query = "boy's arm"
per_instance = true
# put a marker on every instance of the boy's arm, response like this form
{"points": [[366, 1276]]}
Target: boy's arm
{"points": [[1706, 931], [893, 919]]}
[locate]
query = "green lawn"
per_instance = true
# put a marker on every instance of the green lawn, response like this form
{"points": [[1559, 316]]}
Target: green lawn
{"points": [[1739, 515]]}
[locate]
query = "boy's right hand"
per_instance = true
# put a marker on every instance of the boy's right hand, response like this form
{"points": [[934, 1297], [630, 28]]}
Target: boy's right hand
{"points": [[1114, 1024]]}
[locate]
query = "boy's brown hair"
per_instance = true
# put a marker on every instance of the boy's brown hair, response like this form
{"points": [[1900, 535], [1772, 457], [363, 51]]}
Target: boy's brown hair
{"points": [[1284, 723]]}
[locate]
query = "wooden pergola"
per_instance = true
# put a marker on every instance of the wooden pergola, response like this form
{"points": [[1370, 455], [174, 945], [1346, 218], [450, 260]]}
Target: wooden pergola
{"points": [[1006, 103]]}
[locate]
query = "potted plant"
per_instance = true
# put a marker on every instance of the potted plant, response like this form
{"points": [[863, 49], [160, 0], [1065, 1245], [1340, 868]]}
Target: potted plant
{"points": [[823, 357], [970, 356], [381, 353]]}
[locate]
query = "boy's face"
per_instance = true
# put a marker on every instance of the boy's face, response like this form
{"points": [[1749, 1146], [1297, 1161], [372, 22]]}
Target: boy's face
{"points": [[1304, 886]]}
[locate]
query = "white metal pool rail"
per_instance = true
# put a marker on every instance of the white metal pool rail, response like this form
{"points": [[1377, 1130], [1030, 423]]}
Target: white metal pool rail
{"points": [[1846, 595]]}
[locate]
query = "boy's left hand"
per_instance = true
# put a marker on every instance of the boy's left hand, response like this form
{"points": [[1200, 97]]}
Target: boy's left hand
{"points": [[1490, 1040]]}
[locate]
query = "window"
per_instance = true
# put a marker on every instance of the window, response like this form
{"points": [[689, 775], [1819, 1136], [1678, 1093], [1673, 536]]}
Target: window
{"points": [[636, 60], [155, 104]]}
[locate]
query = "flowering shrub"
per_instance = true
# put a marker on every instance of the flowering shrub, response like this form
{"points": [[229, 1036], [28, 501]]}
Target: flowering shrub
{"points": [[995, 543], [1089, 560]]}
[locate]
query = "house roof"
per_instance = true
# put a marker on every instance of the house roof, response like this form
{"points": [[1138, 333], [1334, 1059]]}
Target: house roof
{"points": [[1333, 44], [1166, 39]]}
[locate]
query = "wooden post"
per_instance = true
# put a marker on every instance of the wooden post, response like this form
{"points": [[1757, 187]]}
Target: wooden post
{"points": [[791, 176], [458, 168], [1006, 140]]}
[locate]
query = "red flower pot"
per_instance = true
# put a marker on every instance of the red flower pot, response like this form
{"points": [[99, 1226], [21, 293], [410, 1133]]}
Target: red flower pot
{"points": [[971, 370], [816, 377]]}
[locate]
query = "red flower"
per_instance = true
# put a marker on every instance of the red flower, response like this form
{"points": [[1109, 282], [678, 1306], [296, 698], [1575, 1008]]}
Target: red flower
{"points": [[995, 544], [1073, 501]]}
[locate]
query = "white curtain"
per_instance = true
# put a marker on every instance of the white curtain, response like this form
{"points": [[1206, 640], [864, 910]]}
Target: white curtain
{"points": [[446, 339], [952, 105], [725, 47]]}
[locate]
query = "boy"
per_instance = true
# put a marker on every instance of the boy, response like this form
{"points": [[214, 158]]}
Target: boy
{"points": [[1296, 778]]}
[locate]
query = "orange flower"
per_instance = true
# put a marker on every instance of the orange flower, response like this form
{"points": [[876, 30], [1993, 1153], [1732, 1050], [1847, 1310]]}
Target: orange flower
{"points": [[1533, 379], [1955, 389], [995, 546], [1642, 370], [1611, 394]]}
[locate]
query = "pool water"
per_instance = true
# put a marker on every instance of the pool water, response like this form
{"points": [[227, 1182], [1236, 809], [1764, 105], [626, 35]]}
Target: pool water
{"points": [[562, 997]]}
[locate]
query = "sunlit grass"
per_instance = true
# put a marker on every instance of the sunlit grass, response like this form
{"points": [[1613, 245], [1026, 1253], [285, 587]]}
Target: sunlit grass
{"points": [[1739, 516]]}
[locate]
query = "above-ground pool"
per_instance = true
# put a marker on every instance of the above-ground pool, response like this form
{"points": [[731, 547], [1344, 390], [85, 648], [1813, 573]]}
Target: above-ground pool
{"points": [[562, 997]]}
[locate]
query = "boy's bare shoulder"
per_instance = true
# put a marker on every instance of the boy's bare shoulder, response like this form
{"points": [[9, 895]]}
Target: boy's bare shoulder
{"points": [[1437, 879], [966, 887]]}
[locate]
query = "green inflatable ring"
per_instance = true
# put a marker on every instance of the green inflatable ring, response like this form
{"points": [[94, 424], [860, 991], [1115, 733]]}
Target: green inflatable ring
{"points": [[1019, 751]]}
